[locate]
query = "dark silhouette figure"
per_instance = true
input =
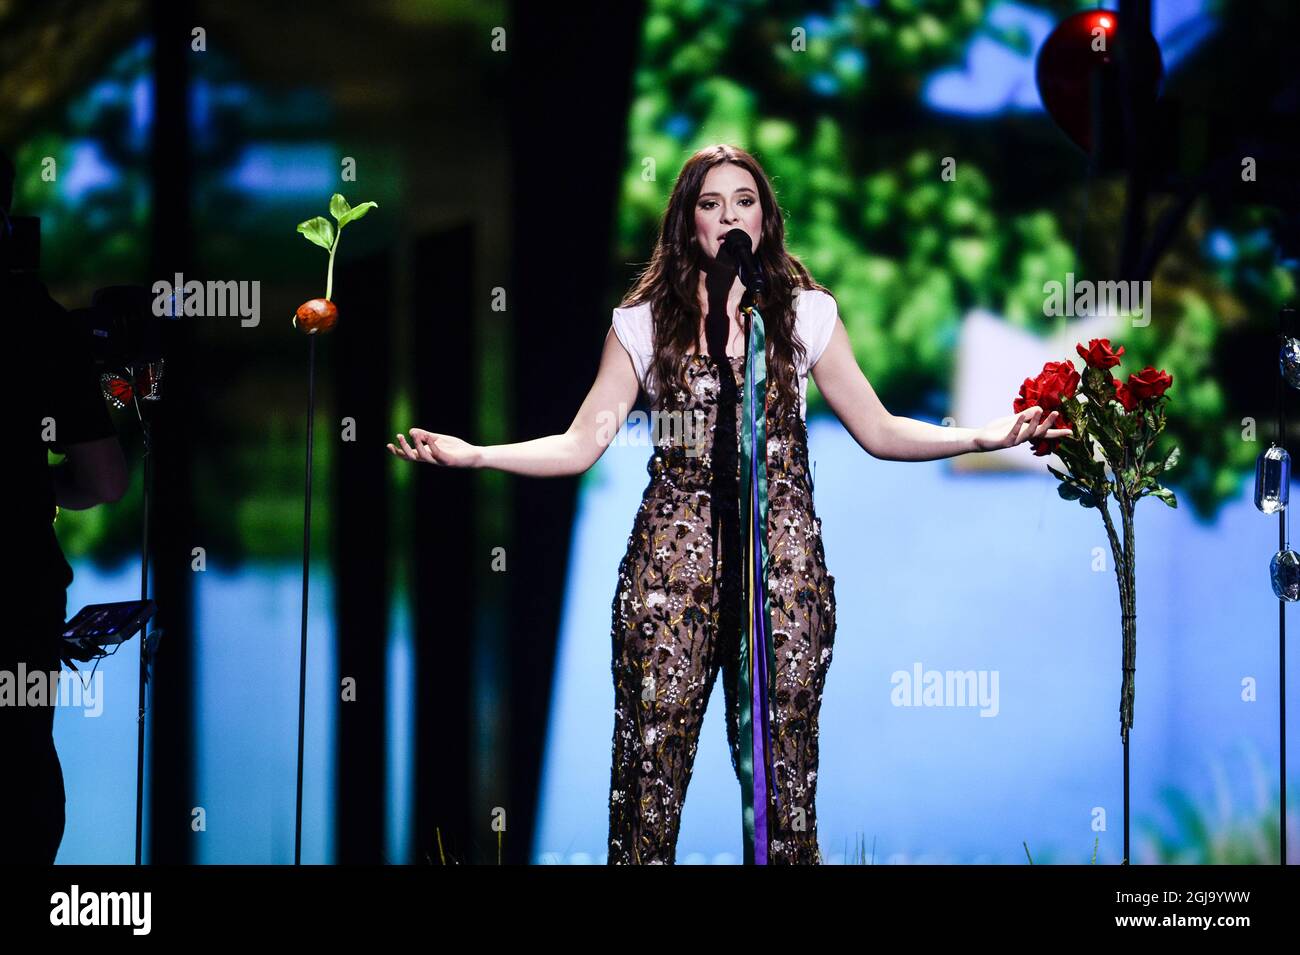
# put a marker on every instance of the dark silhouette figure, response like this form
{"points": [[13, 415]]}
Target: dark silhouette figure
{"points": [[60, 409]]}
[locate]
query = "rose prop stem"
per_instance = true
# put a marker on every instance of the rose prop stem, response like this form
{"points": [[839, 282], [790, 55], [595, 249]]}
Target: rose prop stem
{"points": [[1122, 421], [1128, 621], [1125, 577], [1126, 580]]}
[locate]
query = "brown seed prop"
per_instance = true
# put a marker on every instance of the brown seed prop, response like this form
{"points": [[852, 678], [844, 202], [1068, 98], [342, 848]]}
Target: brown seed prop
{"points": [[317, 315]]}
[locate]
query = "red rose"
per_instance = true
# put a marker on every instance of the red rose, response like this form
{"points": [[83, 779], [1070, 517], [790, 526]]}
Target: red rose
{"points": [[1045, 446], [1124, 395], [1149, 383], [1061, 382], [1028, 396], [1056, 381], [1098, 354]]}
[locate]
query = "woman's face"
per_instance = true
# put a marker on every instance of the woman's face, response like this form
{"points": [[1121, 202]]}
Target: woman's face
{"points": [[728, 200]]}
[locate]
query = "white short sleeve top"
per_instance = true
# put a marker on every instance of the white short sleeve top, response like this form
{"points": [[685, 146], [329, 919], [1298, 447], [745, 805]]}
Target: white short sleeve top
{"points": [[815, 316]]}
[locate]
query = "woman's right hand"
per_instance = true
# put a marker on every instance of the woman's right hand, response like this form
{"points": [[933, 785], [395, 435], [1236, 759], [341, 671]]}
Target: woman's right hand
{"points": [[433, 448]]}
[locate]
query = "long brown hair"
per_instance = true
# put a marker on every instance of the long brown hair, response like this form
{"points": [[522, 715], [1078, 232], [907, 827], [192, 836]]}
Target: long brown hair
{"points": [[671, 280]]}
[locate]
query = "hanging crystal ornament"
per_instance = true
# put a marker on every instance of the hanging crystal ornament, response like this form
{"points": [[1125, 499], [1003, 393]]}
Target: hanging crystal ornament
{"points": [[1284, 572], [1284, 568], [1289, 361], [1272, 479], [1289, 354]]}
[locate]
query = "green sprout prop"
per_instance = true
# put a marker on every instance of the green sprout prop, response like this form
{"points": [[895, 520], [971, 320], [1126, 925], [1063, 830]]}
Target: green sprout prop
{"points": [[316, 315], [1115, 426], [320, 314]]}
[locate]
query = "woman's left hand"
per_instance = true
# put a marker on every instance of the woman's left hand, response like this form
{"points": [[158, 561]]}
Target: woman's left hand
{"points": [[1013, 429]]}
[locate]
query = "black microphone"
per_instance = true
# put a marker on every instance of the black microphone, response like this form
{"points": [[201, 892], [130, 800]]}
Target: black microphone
{"points": [[737, 242]]}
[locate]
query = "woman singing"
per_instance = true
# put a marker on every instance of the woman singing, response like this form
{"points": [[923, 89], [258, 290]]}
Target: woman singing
{"points": [[724, 568]]}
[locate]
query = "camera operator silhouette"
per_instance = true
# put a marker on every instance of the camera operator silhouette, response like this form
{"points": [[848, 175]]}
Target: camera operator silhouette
{"points": [[60, 409]]}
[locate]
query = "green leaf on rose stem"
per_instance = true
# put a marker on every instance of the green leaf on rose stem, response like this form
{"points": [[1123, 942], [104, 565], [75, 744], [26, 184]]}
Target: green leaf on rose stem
{"points": [[1075, 457], [356, 212], [1068, 491], [1111, 444], [339, 207], [1063, 477], [1170, 459], [1072, 492], [1070, 450], [1165, 495], [1095, 471], [318, 230]]}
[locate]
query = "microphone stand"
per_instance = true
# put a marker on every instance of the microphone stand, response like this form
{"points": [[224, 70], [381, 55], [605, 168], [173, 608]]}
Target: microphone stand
{"points": [[146, 494], [148, 369], [150, 643]]}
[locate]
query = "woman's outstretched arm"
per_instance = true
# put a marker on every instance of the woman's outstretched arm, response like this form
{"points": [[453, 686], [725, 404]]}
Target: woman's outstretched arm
{"points": [[895, 438], [602, 413]]}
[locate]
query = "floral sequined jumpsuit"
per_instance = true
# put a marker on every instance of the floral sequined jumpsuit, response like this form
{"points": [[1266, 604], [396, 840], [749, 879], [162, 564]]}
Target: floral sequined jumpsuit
{"points": [[667, 649]]}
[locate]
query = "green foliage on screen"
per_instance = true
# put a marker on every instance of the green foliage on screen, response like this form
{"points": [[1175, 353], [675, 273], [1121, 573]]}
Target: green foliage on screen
{"points": [[855, 156]]}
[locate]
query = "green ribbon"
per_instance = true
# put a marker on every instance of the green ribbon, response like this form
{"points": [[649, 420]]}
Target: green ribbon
{"points": [[757, 653]]}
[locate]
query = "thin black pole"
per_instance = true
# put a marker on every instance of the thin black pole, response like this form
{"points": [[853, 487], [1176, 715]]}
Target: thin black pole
{"points": [[1135, 25], [306, 561], [1126, 813], [1286, 326], [145, 492]]}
